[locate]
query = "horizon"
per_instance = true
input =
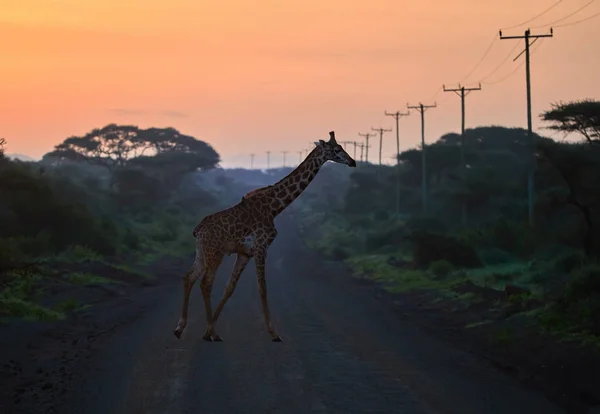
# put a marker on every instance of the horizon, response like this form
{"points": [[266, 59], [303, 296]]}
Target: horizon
{"points": [[76, 67]]}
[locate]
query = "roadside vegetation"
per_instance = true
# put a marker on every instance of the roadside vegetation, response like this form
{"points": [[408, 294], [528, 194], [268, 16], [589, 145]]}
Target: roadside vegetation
{"points": [[473, 249], [96, 212]]}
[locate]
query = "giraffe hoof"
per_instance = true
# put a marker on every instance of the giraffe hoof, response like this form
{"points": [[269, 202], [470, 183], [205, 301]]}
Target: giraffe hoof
{"points": [[277, 339], [178, 333], [216, 338], [207, 338]]}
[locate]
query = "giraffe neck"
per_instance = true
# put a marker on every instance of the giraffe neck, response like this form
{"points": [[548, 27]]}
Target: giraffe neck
{"points": [[286, 190]]}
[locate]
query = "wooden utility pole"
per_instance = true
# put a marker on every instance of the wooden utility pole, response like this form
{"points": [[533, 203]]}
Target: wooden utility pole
{"points": [[531, 189], [300, 157], [367, 136], [422, 108], [462, 92], [362, 148], [397, 116], [284, 153], [381, 131], [251, 161], [268, 159], [355, 145]]}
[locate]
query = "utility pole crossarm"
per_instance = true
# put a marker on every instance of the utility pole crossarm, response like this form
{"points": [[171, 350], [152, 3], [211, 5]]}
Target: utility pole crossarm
{"points": [[527, 34]]}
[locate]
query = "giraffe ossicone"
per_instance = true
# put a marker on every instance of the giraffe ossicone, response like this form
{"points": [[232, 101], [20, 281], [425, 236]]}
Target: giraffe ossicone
{"points": [[248, 229]]}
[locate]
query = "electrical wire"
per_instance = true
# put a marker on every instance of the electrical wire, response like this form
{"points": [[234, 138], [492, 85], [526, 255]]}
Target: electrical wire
{"points": [[534, 17], [436, 94], [481, 59], [515, 69], [566, 17], [579, 21], [501, 63]]}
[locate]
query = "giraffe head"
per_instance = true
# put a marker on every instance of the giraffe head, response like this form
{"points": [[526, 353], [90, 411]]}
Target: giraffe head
{"points": [[332, 151]]}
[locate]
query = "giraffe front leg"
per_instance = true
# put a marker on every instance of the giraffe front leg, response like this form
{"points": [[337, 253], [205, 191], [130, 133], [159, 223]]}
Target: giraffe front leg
{"points": [[262, 290]]}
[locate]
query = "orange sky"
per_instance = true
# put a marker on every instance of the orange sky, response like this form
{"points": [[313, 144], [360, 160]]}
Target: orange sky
{"points": [[275, 75]]}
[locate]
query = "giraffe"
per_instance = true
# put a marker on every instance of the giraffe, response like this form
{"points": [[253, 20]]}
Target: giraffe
{"points": [[248, 229]]}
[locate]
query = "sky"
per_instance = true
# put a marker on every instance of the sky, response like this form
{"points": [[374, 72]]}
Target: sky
{"points": [[276, 75]]}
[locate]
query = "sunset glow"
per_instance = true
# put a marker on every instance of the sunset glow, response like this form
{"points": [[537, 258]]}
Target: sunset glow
{"points": [[248, 77]]}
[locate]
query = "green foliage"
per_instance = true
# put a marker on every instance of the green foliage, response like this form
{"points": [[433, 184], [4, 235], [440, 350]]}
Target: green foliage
{"points": [[441, 268], [80, 278], [116, 146], [15, 297], [430, 247], [495, 249]]}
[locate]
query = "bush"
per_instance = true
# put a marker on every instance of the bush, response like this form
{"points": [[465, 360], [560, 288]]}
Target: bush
{"points": [[394, 235], [441, 268], [429, 247], [569, 261]]}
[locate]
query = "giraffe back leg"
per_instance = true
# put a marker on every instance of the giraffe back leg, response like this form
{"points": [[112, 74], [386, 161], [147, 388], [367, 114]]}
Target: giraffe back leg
{"points": [[213, 261], [188, 282], [240, 264]]}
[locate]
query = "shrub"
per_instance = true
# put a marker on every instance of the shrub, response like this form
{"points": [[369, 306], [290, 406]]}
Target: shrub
{"points": [[429, 247], [569, 261], [441, 268]]}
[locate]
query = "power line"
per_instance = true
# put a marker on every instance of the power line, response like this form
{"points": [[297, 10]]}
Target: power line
{"points": [[422, 108], [502, 79], [566, 17], [579, 21], [527, 36], [500, 64], [464, 79], [534, 17]]}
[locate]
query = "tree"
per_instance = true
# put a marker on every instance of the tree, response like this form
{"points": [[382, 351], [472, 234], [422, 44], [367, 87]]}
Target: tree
{"points": [[581, 117], [2, 146], [115, 146], [578, 168]]}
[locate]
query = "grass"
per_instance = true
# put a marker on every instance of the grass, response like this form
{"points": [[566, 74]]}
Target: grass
{"points": [[86, 279], [377, 268], [133, 270], [22, 288], [16, 298]]}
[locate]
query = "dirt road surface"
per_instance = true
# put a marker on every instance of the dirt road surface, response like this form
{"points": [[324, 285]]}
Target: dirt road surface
{"points": [[343, 352]]}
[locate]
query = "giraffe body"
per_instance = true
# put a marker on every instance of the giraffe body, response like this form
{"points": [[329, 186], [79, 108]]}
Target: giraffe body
{"points": [[248, 229]]}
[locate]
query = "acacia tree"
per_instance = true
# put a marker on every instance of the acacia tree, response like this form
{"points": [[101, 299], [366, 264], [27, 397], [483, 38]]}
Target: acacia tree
{"points": [[582, 117], [578, 168], [116, 146]]}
